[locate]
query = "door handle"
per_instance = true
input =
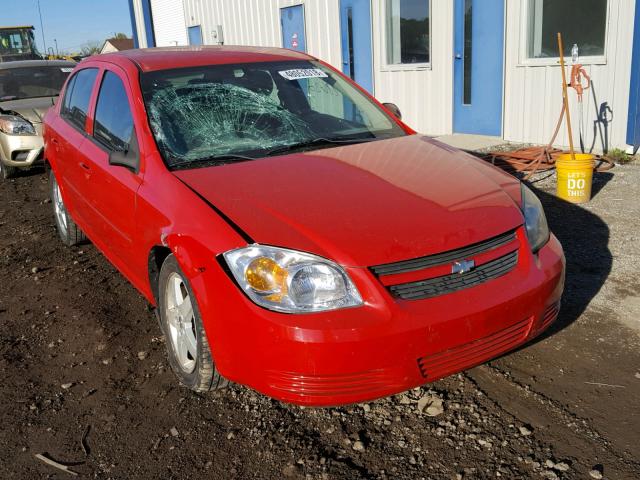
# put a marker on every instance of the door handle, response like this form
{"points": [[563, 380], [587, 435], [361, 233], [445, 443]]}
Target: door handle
{"points": [[54, 141], [85, 166], [458, 56]]}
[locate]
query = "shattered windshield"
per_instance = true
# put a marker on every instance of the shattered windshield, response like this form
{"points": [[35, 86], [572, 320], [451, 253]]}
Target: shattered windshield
{"points": [[31, 82], [223, 113]]}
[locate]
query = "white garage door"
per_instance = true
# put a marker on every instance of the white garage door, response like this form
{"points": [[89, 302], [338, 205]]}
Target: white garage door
{"points": [[169, 26]]}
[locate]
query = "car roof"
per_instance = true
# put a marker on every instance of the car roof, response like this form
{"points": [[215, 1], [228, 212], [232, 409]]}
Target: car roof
{"points": [[36, 63], [163, 58]]}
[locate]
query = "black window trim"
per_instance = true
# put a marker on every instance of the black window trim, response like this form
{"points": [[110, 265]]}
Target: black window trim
{"points": [[68, 92], [92, 135]]}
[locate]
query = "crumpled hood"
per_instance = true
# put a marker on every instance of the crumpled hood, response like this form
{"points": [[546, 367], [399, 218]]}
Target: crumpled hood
{"points": [[365, 204], [32, 109]]}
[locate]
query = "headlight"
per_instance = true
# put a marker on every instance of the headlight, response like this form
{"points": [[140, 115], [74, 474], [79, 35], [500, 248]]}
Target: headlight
{"points": [[289, 281], [535, 220], [13, 125]]}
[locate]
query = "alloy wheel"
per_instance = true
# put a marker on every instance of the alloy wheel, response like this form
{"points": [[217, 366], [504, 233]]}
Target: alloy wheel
{"points": [[59, 208], [181, 321]]}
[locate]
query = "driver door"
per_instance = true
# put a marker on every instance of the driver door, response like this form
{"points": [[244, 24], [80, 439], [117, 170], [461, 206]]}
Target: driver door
{"points": [[111, 188]]}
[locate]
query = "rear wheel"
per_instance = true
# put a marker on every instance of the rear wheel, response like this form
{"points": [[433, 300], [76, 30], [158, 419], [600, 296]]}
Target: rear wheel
{"points": [[69, 232], [187, 345], [7, 171]]}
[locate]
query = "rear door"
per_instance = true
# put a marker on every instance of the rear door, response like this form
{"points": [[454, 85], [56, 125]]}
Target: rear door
{"points": [[111, 190], [70, 136]]}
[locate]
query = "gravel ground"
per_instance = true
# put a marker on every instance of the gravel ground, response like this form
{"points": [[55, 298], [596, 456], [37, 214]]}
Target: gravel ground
{"points": [[86, 380]]}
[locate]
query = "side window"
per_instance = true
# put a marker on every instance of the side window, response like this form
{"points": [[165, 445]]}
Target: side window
{"points": [[76, 101], [113, 121], [67, 95]]}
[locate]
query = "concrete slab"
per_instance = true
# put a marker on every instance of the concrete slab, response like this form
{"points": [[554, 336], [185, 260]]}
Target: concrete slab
{"points": [[471, 142]]}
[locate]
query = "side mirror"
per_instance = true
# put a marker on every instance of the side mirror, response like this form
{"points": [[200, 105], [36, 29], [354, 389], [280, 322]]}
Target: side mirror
{"points": [[393, 108], [129, 157]]}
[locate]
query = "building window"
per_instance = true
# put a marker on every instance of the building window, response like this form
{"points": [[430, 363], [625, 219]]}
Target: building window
{"points": [[581, 22], [407, 32]]}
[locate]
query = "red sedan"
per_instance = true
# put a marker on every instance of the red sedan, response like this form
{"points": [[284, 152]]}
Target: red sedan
{"points": [[294, 234]]}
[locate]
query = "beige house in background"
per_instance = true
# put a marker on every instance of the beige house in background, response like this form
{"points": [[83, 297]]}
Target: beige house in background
{"points": [[117, 44]]}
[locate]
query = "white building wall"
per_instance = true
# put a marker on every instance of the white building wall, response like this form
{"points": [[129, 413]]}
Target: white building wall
{"points": [[532, 93], [169, 23], [424, 96], [533, 96], [257, 23]]}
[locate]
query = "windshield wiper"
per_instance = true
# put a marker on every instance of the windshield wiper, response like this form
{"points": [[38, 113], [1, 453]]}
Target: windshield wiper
{"points": [[213, 160], [319, 142]]}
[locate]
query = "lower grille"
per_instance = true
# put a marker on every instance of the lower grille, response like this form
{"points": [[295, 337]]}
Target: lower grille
{"points": [[550, 314], [470, 354], [455, 281], [323, 385]]}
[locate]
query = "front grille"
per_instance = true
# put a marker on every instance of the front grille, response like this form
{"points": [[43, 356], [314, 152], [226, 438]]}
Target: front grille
{"points": [[456, 281], [470, 354], [445, 257]]}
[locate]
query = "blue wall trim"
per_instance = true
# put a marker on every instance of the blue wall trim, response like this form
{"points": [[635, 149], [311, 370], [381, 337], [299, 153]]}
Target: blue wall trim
{"points": [[633, 123], [134, 30], [148, 23]]}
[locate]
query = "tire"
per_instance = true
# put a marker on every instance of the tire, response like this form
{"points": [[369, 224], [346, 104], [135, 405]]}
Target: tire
{"points": [[7, 171], [69, 232], [187, 346]]}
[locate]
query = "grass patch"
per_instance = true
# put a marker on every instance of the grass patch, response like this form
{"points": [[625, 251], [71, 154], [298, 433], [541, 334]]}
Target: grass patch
{"points": [[621, 157]]}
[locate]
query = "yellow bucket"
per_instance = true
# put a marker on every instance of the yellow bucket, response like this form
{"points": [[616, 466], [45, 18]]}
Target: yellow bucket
{"points": [[575, 177]]}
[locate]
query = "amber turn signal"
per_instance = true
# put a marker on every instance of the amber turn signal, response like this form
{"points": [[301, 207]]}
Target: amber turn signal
{"points": [[264, 275]]}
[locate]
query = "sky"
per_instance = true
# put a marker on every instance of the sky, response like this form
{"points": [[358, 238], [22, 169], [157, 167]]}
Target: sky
{"points": [[72, 23]]}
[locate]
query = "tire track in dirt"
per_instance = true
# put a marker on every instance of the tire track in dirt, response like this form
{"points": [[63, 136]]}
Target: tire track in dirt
{"points": [[534, 408]]}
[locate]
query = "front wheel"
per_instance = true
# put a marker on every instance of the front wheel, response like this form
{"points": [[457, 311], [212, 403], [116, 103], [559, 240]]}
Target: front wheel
{"points": [[187, 345], [7, 171], [69, 232]]}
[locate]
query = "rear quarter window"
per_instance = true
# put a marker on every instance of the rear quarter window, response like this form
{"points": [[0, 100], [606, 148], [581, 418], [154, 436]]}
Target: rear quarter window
{"points": [[78, 95], [67, 95]]}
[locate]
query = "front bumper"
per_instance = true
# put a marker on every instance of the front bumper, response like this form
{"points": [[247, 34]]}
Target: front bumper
{"points": [[387, 345], [21, 151]]}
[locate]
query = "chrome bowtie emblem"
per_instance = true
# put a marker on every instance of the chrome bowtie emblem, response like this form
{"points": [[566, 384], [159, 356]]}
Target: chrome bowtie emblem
{"points": [[463, 266]]}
